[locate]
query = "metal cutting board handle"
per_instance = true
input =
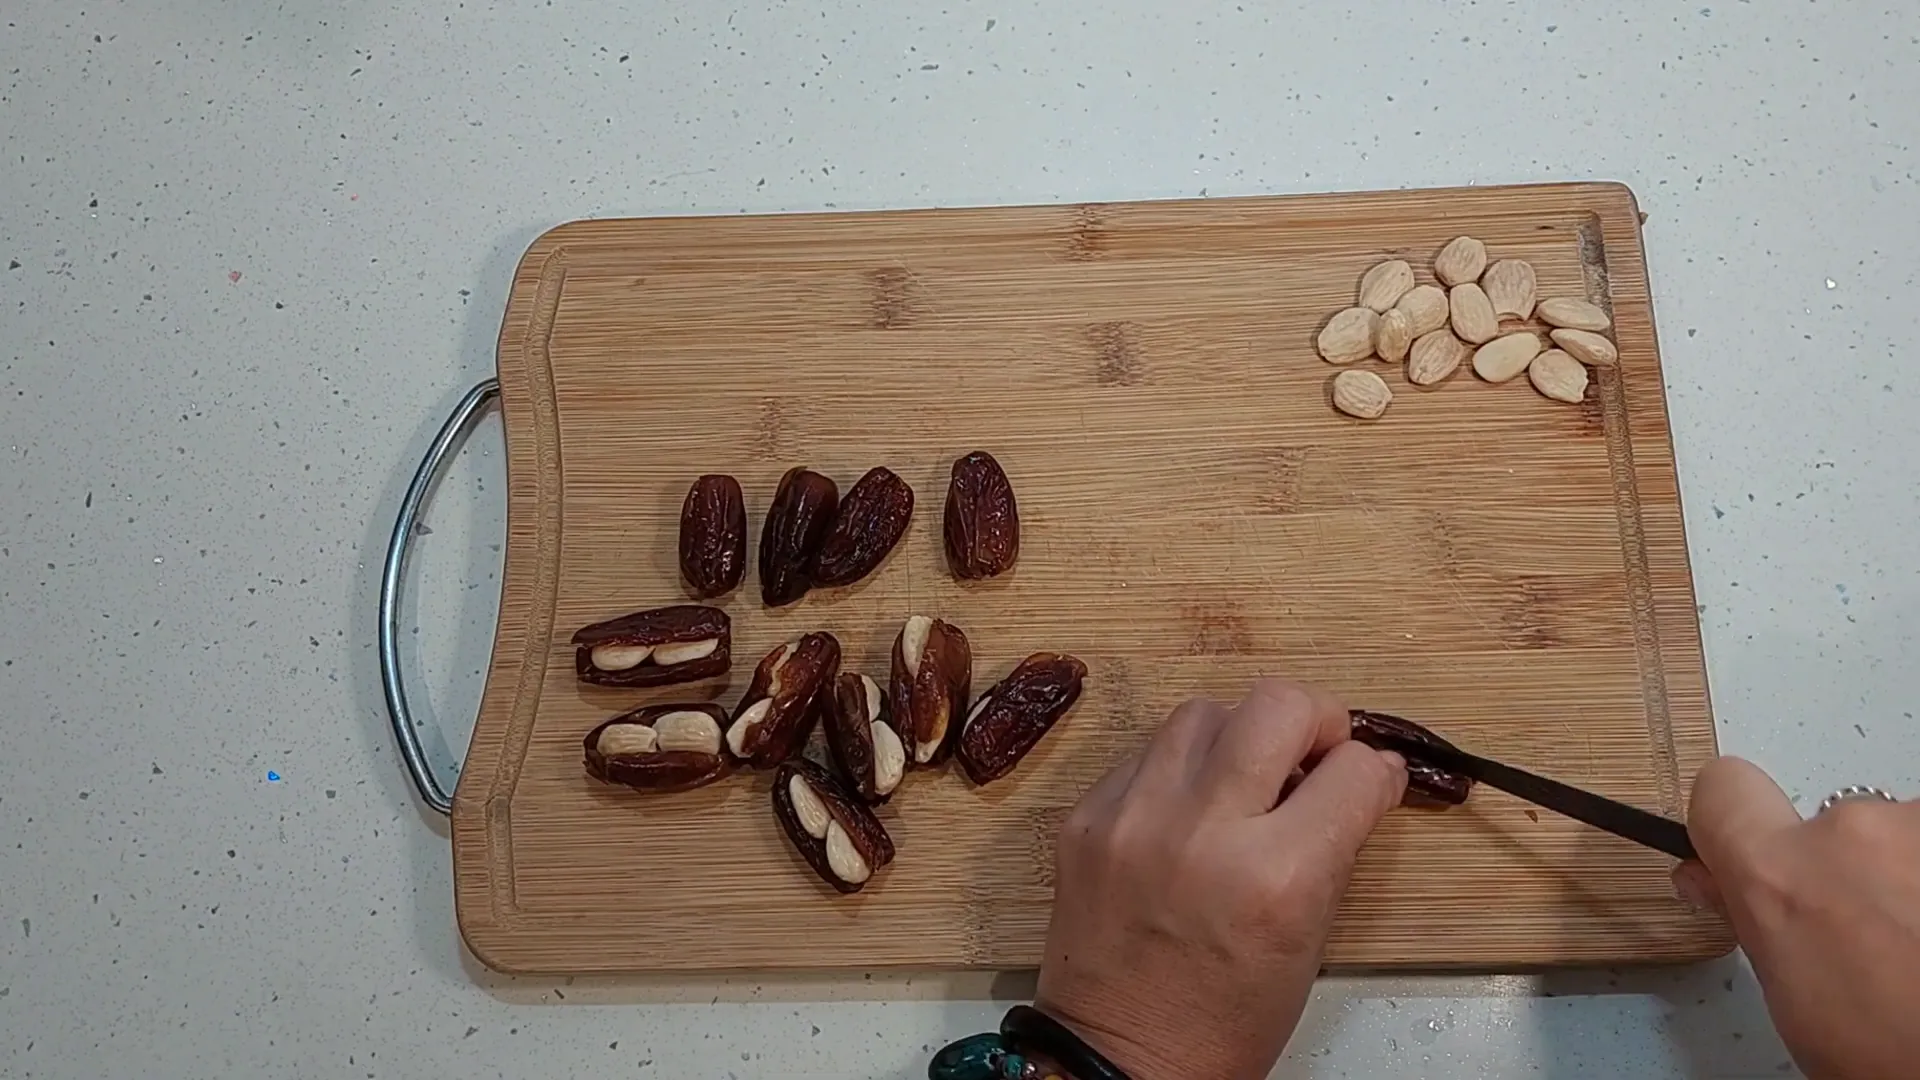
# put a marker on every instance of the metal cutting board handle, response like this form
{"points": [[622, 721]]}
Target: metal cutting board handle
{"points": [[452, 433]]}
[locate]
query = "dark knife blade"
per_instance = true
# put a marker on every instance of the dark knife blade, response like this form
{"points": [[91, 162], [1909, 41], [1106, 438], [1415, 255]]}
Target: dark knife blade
{"points": [[1628, 822]]}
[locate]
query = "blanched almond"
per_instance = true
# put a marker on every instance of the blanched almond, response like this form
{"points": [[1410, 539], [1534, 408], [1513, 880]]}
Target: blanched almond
{"points": [[1348, 336], [808, 808], [1426, 305], [688, 729], [1558, 376], [1460, 261], [620, 657], [684, 652], [1509, 284], [1473, 317], [1587, 347], [1361, 393], [1394, 336], [843, 858], [913, 642], [1503, 358], [1385, 284], [1573, 314], [627, 739], [1434, 357]]}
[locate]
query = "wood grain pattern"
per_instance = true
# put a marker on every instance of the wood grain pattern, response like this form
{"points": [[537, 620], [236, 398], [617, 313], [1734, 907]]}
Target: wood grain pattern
{"points": [[1510, 570]]}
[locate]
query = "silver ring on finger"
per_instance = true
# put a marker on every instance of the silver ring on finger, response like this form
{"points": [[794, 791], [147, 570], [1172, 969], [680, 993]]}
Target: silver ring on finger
{"points": [[1853, 792]]}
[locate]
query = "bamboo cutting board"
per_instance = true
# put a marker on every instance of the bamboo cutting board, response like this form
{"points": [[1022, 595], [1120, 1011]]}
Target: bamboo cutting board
{"points": [[1510, 570]]}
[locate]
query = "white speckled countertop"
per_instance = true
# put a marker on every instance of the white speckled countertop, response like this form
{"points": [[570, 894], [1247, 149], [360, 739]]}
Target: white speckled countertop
{"points": [[250, 254]]}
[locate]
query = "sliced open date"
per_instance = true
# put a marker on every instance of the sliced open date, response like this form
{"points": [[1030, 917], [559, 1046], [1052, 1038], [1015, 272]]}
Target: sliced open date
{"points": [[664, 645], [1008, 720], [864, 743], [1426, 783], [840, 838], [777, 713], [659, 747], [931, 677]]}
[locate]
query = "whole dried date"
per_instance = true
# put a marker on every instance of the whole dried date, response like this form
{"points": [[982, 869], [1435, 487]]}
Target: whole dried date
{"points": [[713, 535], [1008, 720], [1425, 782], [871, 519], [839, 838], [659, 748], [864, 744], [773, 720], [664, 645], [797, 522], [983, 521], [932, 675]]}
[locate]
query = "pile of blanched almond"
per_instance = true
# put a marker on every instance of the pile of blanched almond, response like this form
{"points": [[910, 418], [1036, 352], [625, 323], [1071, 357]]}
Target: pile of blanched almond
{"points": [[1489, 314]]}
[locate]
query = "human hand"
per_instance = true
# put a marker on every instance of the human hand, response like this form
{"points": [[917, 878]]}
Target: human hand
{"points": [[1828, 910], [1190, 911]]}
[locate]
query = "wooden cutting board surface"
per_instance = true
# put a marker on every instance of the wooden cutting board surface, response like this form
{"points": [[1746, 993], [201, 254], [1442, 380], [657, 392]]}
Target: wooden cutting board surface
{"points": [[1510, 570]]}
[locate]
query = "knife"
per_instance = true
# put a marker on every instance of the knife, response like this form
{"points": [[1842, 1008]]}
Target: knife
{"points": [[1628, 822]]}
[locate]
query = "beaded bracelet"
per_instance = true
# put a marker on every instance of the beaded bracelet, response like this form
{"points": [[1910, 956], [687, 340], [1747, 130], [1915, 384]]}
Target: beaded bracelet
{"points": [[1030, 1045]]}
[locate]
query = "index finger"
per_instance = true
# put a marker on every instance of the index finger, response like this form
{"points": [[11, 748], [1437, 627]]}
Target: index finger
{"points": [[1278, 725], [1735, 806]]}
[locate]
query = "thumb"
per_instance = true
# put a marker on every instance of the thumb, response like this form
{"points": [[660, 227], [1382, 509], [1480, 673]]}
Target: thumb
{"points": [[1342, 799], [1735, 808]]}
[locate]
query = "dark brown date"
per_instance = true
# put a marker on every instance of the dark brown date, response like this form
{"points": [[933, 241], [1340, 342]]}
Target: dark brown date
{"points": [[1426, 783], [1009, 719], [983, 521], [841, 839], [861, 736], [665, 645], [713, 535], [871, 519], [777, 714], [927, 690], [659, 748], [797, 522]]}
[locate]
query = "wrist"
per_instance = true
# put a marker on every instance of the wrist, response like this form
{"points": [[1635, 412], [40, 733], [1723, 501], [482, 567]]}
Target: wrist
{"points": [[1136, 1061], [1136, 1046]]}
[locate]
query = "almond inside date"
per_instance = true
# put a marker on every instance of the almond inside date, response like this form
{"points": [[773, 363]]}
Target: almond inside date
{"points": [[659, 748], [1009, 719], [838, 837], [778, 711], [931, 677], [657, 647], [861, 736]]}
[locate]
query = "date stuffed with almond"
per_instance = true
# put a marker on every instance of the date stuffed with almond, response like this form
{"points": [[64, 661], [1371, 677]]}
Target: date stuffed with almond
{"points": [[778, 710], [659, 748], [932, 675], [861, 735], [1008, 720], [657, 647], [840, 839]]}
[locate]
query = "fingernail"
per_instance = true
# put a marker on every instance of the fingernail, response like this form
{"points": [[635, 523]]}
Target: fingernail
{"points": [[1393, 758]]}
